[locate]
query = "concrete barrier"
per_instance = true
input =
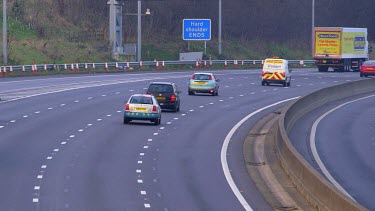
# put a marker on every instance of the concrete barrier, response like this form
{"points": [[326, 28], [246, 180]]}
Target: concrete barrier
{"points": [[308, 181]]}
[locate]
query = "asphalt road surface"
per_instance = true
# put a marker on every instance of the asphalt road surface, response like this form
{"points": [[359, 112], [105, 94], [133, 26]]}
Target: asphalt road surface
{"points": [[63, 145]]}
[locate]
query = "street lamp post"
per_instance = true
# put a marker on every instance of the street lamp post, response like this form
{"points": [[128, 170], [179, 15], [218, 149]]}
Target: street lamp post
{"points": [[312, 27], [219, 37], [5, 34], [139, 39]]}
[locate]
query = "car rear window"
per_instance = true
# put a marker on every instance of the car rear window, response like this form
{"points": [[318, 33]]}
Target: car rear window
{"points": [[201, 77], [369, 63], [160, 88], [141, 100]]}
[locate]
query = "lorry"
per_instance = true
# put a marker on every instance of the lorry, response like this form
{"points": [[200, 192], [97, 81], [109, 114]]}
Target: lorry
{"points": [[342, 49]]}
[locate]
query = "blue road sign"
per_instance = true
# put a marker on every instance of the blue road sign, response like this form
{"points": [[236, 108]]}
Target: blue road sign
{"points": [[196, 29]]}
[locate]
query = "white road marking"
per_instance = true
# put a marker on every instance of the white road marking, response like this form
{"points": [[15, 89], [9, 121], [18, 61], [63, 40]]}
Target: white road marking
{"points": [[147, 206], [175, 118], [25, 116], [142, 154], [119, 111], [40, 177], [99, 120], [241, 95], [35, 200], [252, 93], [311, 84], [315, 151], [226, 86], [109, 115], [104, 95], [80, 130], [131, 90], [252, 83], [161, 128], [221, 100], [62, 143], [335, 81], [13, 121], [143, 192], [149, 140], [168, 123], [201, 106], [231, 97], [56, 150], [62, 104], [183, 114], [37, 188], [71, 136], [37, 112], [224, 152], [140, 181], [77, 101], [275, 89], [138, 171], [49, 158], [44, 166], [298, 85], [145, 147], [89, 98], [155, 134], [117, 93], [88, 125], [213, 103], [1, 126], [140, 162], [50, 108], [191, 110]]}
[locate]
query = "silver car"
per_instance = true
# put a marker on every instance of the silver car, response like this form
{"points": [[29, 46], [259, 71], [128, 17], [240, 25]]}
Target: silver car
{"points": [[142, 107], [203, 83]]}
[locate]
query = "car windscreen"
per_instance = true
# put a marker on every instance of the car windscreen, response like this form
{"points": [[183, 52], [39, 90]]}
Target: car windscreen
{"points": [[141, 100], [160, 88], [369, 63], [202, 77]]}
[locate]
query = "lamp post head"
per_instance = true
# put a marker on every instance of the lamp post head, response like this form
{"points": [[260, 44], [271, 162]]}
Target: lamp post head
{"points": [[148, 12]]}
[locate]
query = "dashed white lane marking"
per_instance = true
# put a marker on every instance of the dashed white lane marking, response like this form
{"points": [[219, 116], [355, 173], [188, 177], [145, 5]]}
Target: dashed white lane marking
{"points": [[252, 93], [37, 188], [140, 181], [50, 108], [145, 147], [335, 81], [89, 98], [140, 162], [252, 83], [201, 106], [348, 80], [149, 140], [35, 200], [49, 158], [89, 125], [1, 126], [147, 206], [80, 130], [104, 95], [221, 100], [311, 84], [213, 103], [231, 97], [25, 116], [117, 93], [99, 120], [39, 177], [226, 86], [191, 110], [155, 134], [119, 111], [264, 90], [63, 104], [109, 115], [77, 101], [44, 166], [71, 136], [131, 90], [56, 150], [63, 143], [175, 118], [13, 121], [274, 89], [230, 78], [143, 192], [306, 78], [161, 128], [298, 85], [138, 171], [168, 123], [183, 114], [142, 154], [37, 112]]}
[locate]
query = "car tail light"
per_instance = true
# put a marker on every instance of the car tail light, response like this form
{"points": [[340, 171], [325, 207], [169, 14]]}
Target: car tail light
{"points": [[263, 73], [173, 97], [154, 109], [211, 77], [127, 107], [192, 77], [317, 61]]}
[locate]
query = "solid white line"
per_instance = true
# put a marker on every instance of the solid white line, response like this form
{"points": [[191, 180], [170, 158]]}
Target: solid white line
{"points": [[315, 151], [224, 151]]}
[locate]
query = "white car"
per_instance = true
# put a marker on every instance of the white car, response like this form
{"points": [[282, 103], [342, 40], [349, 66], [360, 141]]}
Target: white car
{"points": [[142, 107]]}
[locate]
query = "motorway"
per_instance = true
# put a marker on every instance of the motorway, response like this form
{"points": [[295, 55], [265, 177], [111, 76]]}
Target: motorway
{"points": [[63, 145]]}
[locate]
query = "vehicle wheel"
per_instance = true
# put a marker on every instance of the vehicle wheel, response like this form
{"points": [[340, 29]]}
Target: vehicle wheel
{"points": [[178, 108], [285, 84], [263, 83], [366, 75], [288, 84], [126, 120], [191, 93], [361, 74], [217, 92], [323, 69]]}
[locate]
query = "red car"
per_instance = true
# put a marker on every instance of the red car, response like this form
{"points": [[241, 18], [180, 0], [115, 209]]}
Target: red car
{"points": [[367, 68]]}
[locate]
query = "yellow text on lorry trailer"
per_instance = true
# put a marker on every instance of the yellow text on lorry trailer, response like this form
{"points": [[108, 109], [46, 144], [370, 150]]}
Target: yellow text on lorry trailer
{"points": [[276, 71]]}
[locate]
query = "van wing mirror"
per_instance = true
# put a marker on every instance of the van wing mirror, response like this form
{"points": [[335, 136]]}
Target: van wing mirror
{"points": [[290, 70]]}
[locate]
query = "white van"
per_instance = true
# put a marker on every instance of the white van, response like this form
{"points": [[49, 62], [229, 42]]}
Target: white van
{"points": [[276, 71]]}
